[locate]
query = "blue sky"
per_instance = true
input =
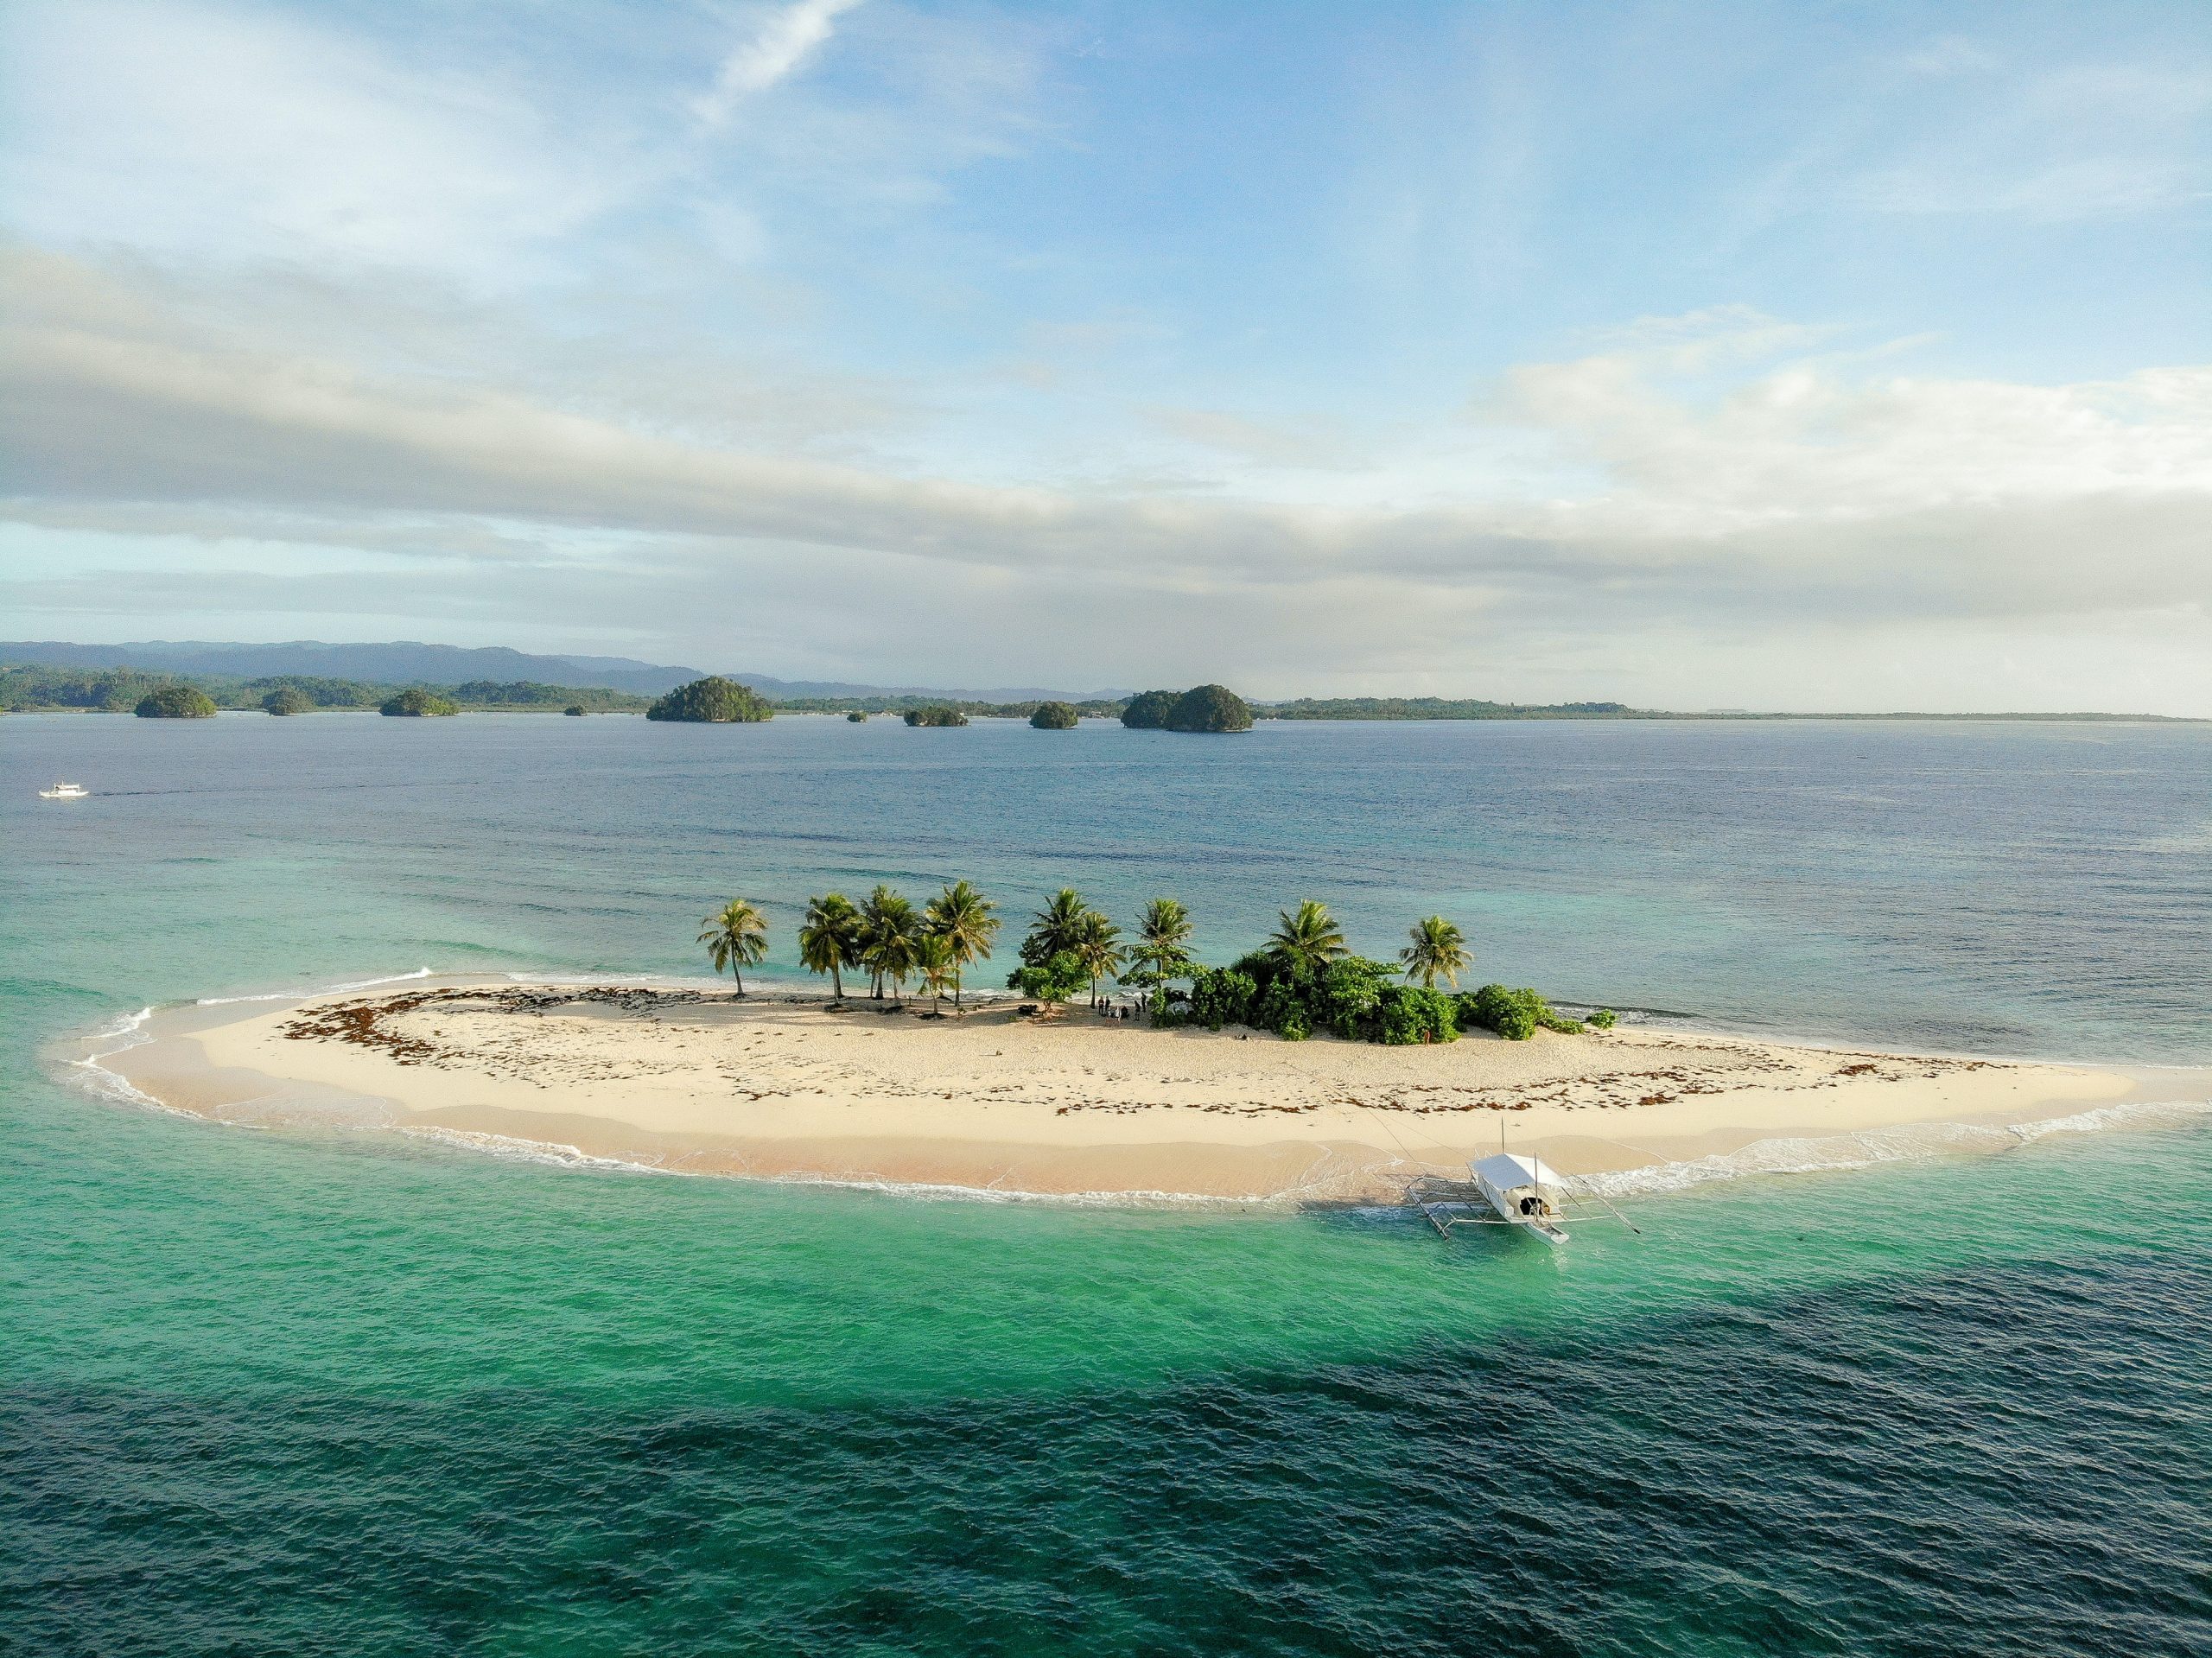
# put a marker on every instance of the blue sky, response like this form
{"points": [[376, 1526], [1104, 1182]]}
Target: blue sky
{"points": [[1796, 356]]}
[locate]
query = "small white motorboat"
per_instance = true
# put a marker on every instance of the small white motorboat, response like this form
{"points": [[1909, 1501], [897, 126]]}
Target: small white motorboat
{"points": [[65, 791]]}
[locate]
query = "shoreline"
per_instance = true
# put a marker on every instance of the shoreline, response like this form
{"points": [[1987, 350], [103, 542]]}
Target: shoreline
{"points": [[658, 1075]]}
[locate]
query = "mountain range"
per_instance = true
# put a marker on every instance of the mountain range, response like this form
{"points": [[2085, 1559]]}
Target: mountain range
{"points": [[408, 662]]}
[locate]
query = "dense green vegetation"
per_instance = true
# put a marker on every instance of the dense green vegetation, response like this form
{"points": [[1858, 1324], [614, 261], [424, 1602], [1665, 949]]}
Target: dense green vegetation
{"points": [[942, 713], [288, 699], [575, 710], [1203, 708], [1055, 716], [1148, 710], [118, 690], [415, 703], [1302, 980], [712, 701], [1210, 708], [176, 702]]}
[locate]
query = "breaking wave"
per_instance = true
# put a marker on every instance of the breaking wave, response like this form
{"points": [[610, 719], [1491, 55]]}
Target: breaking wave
{"points": [[1834, 1153]]}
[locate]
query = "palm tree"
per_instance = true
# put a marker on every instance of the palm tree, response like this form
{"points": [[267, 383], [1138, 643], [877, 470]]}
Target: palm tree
{"points": [[1096, 944], [962, 918], [1438, 949], [1055, 927], [829, 938], [736, 936], [876, 919], [1162, 949], [893, 932], [1309, 939], [935, 960]]}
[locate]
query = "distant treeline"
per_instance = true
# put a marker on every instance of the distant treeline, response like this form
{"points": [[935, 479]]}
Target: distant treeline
{"points": [[1100, 709], [118, 690], [1435, 708]]}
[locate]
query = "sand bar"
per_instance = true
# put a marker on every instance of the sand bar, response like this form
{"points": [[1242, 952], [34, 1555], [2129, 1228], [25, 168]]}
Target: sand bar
{"points": [[792, 1087]]}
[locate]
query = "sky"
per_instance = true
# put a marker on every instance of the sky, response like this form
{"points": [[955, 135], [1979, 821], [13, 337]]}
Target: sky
{"points": [[1794, 356]]}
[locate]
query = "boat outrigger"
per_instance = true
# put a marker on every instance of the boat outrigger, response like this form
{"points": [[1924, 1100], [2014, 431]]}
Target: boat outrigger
{"points": [[1505, 1189]]}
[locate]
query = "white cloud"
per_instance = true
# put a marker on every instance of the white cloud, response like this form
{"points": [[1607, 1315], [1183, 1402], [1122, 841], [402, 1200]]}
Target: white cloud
{"points": [[1809, 487], [231, 135], [783, 40]]}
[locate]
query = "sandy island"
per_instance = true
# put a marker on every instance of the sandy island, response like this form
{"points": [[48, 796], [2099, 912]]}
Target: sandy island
{"points": [[791, 1087]]}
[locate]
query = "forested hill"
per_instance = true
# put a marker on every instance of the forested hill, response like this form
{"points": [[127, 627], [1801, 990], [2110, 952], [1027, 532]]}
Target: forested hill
{"points": [[25, 687], [400, 663]]}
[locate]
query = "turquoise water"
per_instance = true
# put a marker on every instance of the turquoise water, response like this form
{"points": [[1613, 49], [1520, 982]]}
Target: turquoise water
{"points": [[290, 1392]]}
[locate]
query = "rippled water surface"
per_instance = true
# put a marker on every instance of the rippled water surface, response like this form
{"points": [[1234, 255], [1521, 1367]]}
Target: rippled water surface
{"points": [[284, 1393]]}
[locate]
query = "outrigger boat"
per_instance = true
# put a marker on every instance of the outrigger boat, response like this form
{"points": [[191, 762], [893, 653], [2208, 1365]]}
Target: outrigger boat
{"points": [[64, 792], [1505, 1189]]}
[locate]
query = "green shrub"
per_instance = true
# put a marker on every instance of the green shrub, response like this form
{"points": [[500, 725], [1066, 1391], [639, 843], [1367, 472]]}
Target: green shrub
{"points": [[1054, 716], [1061, 978], [176, 702], [1345, 998], [1407, 1013], [1280, 1006], [417, 704], [288, 699], [713, 700], [1494, 1008], [1221, 996], [1603, 1019], [1514, 1014]]}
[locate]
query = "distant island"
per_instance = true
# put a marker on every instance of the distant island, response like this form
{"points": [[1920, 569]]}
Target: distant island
{"points": [[419, 704], [175, 702], [712, 701], [1203, 708], [45, 684]]}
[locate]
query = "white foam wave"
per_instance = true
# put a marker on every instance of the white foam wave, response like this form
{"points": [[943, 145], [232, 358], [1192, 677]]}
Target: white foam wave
{"points": [[1834, 1153], [122, 1024], [120, 1035], [531, 1151], [555, 1154], [933, 1190], [326, 990], [2139, 1113]]}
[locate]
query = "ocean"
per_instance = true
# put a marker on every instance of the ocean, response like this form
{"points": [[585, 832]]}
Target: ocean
{"points": [[353, 1393]]}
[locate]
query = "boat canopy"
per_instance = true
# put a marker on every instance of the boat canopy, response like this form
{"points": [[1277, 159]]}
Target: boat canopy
{"points": [[1506, 1171]]}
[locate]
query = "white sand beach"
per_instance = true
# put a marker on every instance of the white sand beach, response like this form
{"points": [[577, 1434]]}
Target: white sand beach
{"points": [[784, 1086]]}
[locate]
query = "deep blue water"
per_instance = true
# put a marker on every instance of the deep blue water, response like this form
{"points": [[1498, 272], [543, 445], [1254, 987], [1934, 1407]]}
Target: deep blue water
{"points": [[290, 1392]]}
